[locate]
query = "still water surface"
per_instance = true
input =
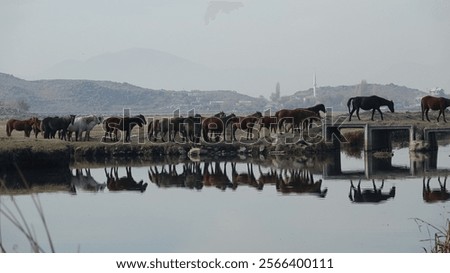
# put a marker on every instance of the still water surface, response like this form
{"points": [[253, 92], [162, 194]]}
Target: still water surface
{"points": [[239, 214]]}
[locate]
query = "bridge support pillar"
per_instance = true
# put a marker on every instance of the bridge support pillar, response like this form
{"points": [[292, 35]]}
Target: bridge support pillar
{"points": [[334, 166], [377, 139], [430, 137]]}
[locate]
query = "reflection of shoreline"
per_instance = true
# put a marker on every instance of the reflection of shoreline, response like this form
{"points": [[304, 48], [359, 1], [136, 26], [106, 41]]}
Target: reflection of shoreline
{"points": [[46, 154]]}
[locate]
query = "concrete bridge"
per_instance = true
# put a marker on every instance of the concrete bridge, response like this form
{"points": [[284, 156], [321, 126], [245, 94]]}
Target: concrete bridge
{"points": [[378, 136]]}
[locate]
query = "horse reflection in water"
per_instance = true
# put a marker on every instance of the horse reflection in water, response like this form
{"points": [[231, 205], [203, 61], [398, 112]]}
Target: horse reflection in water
{"points": [[373, 195], [116, 183], [300, 181], [215, 176], [247, 178], [435, 195], [85, 182], [190, 177]]}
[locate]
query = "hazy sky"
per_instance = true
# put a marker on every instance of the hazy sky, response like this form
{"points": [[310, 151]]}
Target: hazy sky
{"points": [[406, 42]]}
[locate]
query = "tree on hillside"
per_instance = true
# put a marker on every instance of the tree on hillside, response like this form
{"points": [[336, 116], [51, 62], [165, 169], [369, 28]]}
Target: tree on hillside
{"points": [[22, 105]]}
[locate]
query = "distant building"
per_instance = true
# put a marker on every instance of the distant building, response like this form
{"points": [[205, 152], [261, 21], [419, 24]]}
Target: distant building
{"points": [[245, 102], [314, 85]]}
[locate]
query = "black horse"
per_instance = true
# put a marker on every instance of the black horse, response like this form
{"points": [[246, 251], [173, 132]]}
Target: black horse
{"points": [[51, 125], [368, 103], [317, 108], [125, 124]]}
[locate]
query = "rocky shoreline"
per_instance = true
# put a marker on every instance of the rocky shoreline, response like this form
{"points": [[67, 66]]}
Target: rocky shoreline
{"points": [[39, 154]]}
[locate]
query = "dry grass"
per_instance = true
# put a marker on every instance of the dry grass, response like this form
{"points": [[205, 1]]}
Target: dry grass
{"points": [[16, 217], [441, 241], [354, 137]]}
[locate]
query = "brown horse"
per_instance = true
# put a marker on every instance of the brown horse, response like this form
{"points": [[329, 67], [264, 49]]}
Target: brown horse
{"points": [[434, 103], [434, 195], [213, 175], [21, 125], [270, 123], [300, 182], [247, 178], [296, 117], [246, 124], [270, 177], [37, 127], [166, 178]]}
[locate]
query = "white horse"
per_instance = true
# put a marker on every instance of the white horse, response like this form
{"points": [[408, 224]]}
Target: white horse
{"points": [[83, 124], [85, 181]]}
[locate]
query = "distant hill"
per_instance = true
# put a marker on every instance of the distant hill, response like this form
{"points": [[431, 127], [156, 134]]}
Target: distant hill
{"points": [[404, 98], [88, 96], [106, 97]]}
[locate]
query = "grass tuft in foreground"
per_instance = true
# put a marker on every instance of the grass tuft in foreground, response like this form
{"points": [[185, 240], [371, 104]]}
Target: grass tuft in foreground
{"points": [[16, 217]]}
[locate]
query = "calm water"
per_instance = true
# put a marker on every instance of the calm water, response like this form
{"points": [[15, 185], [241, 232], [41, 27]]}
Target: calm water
{"points": [[183, 209]]}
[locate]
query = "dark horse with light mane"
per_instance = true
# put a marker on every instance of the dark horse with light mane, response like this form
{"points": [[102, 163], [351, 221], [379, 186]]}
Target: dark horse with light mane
{"points": [[434, 103], [368, 103], [20, 125], [125, 124]]}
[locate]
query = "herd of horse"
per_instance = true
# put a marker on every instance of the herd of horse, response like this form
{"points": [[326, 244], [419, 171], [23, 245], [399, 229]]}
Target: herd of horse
{"points": [[210, 128], [196, 175]]}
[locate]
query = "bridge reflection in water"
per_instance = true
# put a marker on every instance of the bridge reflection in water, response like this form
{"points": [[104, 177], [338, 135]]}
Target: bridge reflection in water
{"points": [[378, 165]]}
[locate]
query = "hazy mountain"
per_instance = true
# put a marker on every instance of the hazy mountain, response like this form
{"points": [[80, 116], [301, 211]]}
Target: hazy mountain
{"points": [[142, 67], [88, 96]]}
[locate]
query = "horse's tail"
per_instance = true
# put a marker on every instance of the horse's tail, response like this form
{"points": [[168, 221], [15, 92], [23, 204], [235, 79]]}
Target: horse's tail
{"points": [[8, 129], [422, 105], [349, 102]]}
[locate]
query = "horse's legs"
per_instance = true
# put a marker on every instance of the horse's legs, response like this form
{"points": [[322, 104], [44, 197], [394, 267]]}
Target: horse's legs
{"points": [[205, 134], [114, 132], [426, 114], [233, 133], [373, 113], [357, 113], [381, 113], [439, 115], [351, 114], [443, 115], [282, 123], [128, 136]]}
